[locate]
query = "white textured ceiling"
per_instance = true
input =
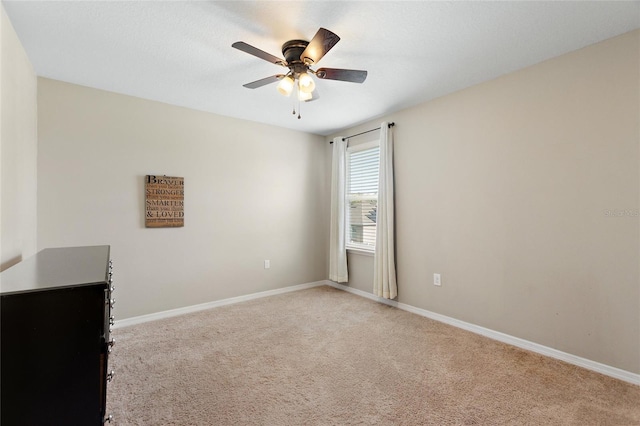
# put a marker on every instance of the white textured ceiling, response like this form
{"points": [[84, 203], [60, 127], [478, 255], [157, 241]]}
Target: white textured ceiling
{"points": [[180, 52]]}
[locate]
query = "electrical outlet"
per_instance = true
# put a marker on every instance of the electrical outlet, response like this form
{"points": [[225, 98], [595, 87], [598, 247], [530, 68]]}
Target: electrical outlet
{"points": [[436, 280], [267, 264]]}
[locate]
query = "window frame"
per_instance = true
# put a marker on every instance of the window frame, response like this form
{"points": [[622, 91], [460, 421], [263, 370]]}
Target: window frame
{"points": [[355, 247]]}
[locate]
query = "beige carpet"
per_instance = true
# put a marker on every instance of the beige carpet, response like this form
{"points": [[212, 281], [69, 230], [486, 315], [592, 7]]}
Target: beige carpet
{"points": [[326, 357]]}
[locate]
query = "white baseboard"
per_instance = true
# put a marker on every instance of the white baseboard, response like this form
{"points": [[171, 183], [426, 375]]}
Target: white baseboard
{"points": [[607, 370], [203, 306]]}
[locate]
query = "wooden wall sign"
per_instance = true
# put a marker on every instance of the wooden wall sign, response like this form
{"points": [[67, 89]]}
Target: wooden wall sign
{"points": [[164, 201]]}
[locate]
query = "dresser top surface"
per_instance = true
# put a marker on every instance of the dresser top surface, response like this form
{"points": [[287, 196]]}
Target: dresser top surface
{"points": [[57, 268]]}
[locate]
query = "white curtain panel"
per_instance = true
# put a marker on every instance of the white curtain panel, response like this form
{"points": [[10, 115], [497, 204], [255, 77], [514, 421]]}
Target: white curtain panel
{"points": [[338, 240], [384, 275]]}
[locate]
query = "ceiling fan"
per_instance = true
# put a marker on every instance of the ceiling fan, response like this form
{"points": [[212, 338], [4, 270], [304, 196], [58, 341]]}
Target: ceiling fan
{"points": [[299, 56]]}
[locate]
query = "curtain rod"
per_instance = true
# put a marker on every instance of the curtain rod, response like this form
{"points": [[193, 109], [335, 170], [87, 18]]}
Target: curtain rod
{"points": [[366, 131]]}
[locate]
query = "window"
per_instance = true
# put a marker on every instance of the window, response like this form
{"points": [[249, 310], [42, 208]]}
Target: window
{"points": [[362, 195]]}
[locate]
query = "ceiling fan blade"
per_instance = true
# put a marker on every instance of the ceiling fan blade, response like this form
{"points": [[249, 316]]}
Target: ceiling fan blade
{"points": [[321, 43], [263, 82], [354, 76], [241, 45]]}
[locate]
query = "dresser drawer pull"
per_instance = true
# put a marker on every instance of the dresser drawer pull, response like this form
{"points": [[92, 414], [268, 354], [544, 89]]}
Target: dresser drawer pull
{"points": [[112, 320], [108, 419], [112, 302], [110, 375], [111, 342]]}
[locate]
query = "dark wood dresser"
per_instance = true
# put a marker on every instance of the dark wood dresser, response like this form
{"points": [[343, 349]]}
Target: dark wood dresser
{"points": [[55, 318]]}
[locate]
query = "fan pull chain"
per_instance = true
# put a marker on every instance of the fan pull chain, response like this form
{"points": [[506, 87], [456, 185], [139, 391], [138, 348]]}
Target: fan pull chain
{"points": [[296, 94], [294, 100], [298, 98]]}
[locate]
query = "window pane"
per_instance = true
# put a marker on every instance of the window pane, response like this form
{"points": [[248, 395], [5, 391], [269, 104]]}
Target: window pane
{"points": [[362, 197], [362, 222]]}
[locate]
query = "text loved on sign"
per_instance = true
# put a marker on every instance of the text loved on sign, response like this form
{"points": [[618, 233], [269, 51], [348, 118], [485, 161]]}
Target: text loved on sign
{"points": [[164, 201]]}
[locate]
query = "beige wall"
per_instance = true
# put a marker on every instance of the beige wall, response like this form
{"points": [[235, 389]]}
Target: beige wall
{"points": [[250, 195], [504, 189], [18, 149]]}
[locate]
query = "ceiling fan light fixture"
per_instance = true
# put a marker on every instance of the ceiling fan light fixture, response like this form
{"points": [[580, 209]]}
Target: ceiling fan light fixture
{"points": [[285, 87], [306, 83], [304, 96]]}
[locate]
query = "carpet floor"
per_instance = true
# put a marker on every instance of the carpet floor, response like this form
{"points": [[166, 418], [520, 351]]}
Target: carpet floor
{"points": [[326, 357]]}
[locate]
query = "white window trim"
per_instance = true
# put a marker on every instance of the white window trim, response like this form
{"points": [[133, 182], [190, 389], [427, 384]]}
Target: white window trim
{"points": [[354, 248]]}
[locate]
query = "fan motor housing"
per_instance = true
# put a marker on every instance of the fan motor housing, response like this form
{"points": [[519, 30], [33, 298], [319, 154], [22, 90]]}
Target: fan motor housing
{"points": [[292, 51]]}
